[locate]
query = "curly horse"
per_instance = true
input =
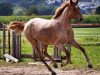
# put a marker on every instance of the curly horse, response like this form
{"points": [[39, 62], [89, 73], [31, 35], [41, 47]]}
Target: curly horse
{"points": [[57, 32]]}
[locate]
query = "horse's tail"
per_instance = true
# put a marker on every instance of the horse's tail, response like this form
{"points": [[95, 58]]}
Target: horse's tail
{"points": [[16, 25]]}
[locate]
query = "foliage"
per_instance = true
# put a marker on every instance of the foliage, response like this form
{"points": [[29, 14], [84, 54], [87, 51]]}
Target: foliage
{"points": [[44, 9], [7, 19], [87, 19], [32, 10], [19, 11], [97, 10], [6, 9]]}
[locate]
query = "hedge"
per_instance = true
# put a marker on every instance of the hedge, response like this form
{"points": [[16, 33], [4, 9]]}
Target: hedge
{"points": [[87, 19]]}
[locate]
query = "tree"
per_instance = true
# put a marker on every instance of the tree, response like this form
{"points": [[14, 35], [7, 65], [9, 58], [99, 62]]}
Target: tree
{"points": [[6, 9], [32, 10], [44, 9], [19, 11], [97, 10]]}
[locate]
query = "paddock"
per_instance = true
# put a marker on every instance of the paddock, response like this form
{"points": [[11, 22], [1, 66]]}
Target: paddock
{"points": [[32, 69], [13, 45]]}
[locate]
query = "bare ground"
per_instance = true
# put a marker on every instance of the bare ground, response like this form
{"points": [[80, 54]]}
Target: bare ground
{"points": [[42, 70]]}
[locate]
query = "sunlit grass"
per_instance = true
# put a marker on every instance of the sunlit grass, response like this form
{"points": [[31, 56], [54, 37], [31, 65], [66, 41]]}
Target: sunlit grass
{"points": [[82, 35]]}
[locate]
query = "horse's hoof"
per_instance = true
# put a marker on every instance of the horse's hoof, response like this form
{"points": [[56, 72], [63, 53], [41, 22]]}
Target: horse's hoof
{"points": [[53, 73], [55, 66], [90, 66]]}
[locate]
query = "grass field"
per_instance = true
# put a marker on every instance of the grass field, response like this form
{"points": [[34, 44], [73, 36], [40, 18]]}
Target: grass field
{"points": [[89, 38]]}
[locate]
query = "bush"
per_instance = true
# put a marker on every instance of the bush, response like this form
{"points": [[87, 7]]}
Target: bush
{"points": [[92, 19], [7, 19], [97, 10], [89, 19], [6, 9]]}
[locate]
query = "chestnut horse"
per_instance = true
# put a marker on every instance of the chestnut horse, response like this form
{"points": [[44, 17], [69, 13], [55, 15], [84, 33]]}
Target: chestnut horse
{"points": [[57, 32]]}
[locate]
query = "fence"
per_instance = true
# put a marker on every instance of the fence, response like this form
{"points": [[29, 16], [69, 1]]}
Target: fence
{"points": [[5, 41], [14, 43]]}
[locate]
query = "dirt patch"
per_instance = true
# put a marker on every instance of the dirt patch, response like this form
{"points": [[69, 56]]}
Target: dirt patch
{"points": [[42, 70]]}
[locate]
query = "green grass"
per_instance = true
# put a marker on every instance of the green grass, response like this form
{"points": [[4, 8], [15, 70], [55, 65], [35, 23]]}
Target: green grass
{"points": [[82, 36]]}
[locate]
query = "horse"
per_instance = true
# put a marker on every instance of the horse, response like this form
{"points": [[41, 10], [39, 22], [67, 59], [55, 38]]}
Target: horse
{"points": [[57, 32]]}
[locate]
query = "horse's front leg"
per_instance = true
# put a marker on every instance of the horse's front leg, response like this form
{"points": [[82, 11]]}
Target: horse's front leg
{"points": [[75, 44]]}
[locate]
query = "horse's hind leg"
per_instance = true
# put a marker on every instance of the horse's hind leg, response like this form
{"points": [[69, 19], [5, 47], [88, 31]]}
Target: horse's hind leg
{"points": [[46, 54], [35, 45], [75, 44], [42, 60], [61, 47]]}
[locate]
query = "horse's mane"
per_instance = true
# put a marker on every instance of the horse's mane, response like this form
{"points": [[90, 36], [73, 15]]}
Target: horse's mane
{"points": [[60, 9]]}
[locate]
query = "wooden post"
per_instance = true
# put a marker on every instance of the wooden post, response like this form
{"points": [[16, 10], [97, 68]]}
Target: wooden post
{"points": [[18, 54], [0, 40], [20, 45], [57, 54], [4, 39], [9, 42], [16, 46], [41, 47], [13, 44]]}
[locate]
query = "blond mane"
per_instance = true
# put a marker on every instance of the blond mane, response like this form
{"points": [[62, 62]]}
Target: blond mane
{"points": [[60, 9]]}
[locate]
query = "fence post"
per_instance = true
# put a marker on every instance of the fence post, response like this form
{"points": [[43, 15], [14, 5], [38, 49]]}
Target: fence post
{"points": [[57, 54], [9, 42], [41, 47], [4, 39], [0, 39], [13, 44], [16, 52]]}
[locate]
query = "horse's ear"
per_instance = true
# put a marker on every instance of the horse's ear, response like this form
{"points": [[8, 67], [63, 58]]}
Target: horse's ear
{"points": [[74, 2]]}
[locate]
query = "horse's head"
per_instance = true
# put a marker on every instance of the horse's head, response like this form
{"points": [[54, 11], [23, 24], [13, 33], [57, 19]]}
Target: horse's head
{"points": [[74, 10], [16, 26]]}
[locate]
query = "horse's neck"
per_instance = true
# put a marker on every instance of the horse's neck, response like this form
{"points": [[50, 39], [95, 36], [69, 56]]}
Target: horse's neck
{"points": [[64, 19]]}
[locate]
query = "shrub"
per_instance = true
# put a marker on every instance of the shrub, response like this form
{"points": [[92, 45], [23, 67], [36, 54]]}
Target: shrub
{"points": [[87, 19]]}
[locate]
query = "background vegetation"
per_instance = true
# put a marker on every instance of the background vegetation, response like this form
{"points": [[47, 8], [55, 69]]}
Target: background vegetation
{"points": [[87, 19], [41, 7]]}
